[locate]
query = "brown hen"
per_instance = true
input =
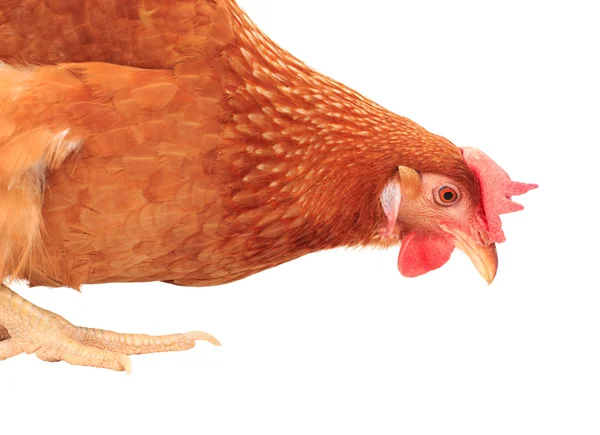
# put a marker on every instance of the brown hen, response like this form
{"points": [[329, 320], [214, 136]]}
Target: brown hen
{"points": [[154, 140]]}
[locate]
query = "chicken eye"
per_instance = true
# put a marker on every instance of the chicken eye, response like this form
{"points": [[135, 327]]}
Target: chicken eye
{"points": [[446, 195]]}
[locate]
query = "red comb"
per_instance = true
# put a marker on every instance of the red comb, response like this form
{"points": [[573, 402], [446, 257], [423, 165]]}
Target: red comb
{"points": [[496, 190]]}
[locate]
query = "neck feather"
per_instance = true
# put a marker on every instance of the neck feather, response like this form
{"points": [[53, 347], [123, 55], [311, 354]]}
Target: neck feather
{"points": [[313, 151]]}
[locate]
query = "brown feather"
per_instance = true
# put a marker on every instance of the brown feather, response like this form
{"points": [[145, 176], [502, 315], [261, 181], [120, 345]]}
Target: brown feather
{"points": [[208, 152]]}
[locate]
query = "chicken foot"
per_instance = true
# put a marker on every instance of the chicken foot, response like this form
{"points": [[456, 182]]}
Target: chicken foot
{"points": [[27, 328]]}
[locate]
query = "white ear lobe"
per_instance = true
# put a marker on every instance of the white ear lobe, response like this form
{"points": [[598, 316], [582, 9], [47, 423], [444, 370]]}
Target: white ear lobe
{"points": [[390, 201]]}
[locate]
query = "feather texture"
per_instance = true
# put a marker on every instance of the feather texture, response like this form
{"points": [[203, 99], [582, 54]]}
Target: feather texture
{"points": [[207, 153]]}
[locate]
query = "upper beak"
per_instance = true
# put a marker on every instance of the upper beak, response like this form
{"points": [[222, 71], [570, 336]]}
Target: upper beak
{"points": [[482, 255]]}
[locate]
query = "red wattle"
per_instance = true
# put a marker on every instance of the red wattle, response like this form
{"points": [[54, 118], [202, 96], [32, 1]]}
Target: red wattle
{"points": [[421, 253]]}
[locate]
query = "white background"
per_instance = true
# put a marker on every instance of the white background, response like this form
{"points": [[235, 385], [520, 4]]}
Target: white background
{"points": [[339, 342]]}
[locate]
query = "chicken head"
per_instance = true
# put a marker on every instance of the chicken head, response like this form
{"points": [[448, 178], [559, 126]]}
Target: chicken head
{"points": [[432, 214]]}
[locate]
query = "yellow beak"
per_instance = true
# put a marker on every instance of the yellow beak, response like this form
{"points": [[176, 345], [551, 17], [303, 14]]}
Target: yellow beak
{"points": [[483, 256]]}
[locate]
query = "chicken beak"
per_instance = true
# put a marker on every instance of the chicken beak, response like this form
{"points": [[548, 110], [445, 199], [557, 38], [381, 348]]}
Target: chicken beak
{"points": [[483, 256]]}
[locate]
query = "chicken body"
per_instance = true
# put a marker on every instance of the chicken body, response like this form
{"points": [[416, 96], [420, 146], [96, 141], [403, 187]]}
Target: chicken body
{"points": [[173, 141], [222, 157]]}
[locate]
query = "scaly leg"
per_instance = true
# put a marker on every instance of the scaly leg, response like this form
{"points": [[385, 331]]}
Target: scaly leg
{"points": [[30, 329]]}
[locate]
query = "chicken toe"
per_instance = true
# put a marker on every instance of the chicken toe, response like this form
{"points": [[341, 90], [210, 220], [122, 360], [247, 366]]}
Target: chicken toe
{"points": [[30, 329]]}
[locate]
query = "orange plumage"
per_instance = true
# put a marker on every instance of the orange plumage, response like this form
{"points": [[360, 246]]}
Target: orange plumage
{"points": [[201, 151], [159, 140]]}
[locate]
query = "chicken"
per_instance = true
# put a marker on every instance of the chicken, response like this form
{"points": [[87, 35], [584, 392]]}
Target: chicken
{"points": [[152, 140]]}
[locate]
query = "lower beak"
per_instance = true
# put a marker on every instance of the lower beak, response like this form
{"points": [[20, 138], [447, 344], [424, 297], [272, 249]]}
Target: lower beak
{"points": [[483, 257]]}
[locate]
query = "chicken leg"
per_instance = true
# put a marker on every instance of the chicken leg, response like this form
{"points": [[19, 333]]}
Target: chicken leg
{"points": [[30, 329]]}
